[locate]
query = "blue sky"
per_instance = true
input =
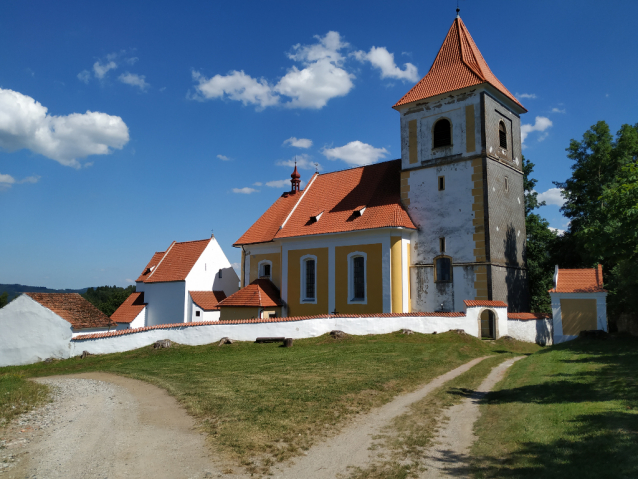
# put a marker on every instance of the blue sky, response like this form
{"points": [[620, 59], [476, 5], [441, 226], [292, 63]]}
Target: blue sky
{"points": [[127, 125]]}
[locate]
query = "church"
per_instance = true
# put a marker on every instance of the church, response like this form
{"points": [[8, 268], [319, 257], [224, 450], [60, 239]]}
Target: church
{"points": [[443, 224]]}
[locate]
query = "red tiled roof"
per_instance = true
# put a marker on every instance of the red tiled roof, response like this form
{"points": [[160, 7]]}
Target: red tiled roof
{"points": [[459, 64], [588, 280], [469, 303], [528, 316], [268, 320], [259, 293], [337, 195], [151, 264], [129, 309], [207, 300], [73, 308], [175, 263]]}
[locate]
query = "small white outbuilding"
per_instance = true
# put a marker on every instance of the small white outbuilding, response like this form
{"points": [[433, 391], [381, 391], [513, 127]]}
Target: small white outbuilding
{"points": [[579, 302], [37, 326]]}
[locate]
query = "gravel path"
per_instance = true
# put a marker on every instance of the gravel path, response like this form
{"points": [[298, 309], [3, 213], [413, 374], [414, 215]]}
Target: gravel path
{"points": [[449, 458], [106, 426], [351, 447]]}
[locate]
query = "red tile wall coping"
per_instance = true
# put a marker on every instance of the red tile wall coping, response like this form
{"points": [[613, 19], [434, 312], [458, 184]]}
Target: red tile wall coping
{"points": [[255, 321], [528, 316], [481, 302]]}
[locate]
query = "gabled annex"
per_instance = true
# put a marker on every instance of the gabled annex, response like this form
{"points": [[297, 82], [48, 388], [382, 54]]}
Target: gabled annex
{"points": [[178, 286]]}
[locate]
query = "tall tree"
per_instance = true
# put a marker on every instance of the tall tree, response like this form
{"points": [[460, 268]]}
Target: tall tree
{"points": [[540, 242], [602, 204], [4, 299]]}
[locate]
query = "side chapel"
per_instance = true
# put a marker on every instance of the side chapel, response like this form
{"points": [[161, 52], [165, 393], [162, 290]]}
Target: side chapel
{"points": [[443, 224]]}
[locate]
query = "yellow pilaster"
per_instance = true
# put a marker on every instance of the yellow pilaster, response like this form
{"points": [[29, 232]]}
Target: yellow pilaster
{"points": [[396, 274]]}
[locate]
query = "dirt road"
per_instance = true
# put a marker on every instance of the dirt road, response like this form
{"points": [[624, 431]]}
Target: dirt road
{"points": [[107, 426]]}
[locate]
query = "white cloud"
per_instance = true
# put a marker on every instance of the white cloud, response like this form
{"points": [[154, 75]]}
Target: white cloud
{"points": [[132, 60], [25, 123], [236, 86], [321, 79], [128, 280], [245, 191], [531, 96], [298, 142], [558, 231], [542, 123], [558, 110], [223, 158], [355, 153], [134, 79], [100, 70], [279, 183], [258, 183], [282, 183], [84, 76], [382, 59], [303, 162], [6, 181], [552, 196]]}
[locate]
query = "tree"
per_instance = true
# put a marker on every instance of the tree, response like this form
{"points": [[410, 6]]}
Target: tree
{"points": [[540, 243], [108, 298], [4, 299], [602, 204]]}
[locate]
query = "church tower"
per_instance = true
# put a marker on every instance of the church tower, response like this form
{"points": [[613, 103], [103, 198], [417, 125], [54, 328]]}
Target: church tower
{"points": [[462, 182]]}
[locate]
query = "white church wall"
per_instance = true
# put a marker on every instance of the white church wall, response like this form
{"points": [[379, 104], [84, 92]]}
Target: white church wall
{"points": [[29, 333], [204, 276], [165, 302]]}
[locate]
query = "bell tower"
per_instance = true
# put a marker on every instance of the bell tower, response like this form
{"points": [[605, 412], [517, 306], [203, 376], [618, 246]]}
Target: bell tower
{"points": [[462, 182]]}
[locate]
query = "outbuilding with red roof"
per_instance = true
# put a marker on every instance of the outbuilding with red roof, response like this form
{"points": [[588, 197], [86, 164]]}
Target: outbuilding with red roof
{"points": [[179, 285], [579, 302], [37, 326]]}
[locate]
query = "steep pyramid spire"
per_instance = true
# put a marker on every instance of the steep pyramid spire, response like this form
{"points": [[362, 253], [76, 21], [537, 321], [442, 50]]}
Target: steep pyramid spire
{"points": [[459, 64]]}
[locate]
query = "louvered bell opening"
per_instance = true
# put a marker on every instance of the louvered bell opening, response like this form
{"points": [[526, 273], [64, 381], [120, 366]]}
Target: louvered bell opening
{"points": [[442, 134], [502, 135]]}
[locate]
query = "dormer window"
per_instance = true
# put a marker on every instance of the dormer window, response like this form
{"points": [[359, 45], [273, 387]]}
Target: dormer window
{"points": [[315, 218], [502, 135], [359, 211], [442, 134]]}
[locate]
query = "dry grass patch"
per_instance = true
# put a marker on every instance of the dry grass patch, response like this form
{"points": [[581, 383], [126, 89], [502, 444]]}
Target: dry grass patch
{"points": [[17, 396]]}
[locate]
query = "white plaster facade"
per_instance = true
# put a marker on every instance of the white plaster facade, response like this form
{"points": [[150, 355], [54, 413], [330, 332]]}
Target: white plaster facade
{"points": [[29, 333], [203, 314], [168, 302], [538, 331], [601, 312]]}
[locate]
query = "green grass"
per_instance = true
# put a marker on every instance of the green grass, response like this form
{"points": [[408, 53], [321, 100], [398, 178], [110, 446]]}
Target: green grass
{"points": [[262, 403], [569, 411], [18, 396]]}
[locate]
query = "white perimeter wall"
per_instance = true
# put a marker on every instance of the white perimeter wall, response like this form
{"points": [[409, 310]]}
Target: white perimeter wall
{"points": [[29, 333], [538, 331], [308, 328]]}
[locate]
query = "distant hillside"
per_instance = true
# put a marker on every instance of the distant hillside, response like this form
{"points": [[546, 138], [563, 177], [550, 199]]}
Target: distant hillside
{"points": [[14, 290]]}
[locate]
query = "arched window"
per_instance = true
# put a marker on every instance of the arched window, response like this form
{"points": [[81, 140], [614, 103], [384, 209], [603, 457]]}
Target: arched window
{"points": [[442, 134], [443, 269], [309, 279], [502, 135], [357, 280]]}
